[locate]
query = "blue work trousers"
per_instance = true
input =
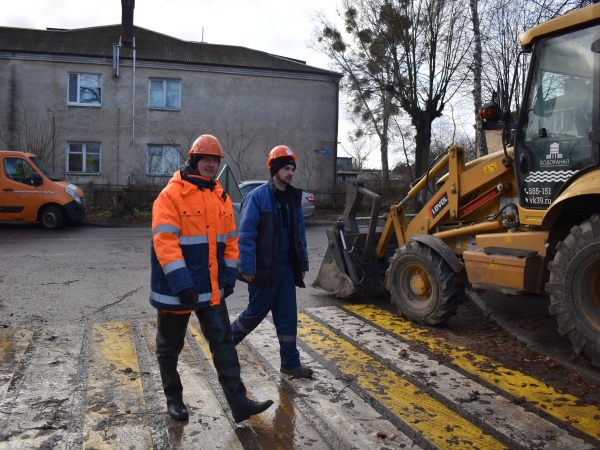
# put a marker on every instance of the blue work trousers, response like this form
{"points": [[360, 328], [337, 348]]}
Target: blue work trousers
{"points": [[282, 303]]}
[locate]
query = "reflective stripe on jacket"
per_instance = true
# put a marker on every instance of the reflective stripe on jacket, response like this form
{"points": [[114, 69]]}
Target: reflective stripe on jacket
{"points": [[194, 244]]}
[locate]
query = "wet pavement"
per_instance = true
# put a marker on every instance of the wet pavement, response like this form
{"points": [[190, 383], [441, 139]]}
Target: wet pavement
{"points": [[77, 365], [527, 318]]}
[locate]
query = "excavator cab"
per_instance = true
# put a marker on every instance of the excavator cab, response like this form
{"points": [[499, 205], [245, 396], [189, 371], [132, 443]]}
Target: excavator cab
{"points": [[558, 116]]}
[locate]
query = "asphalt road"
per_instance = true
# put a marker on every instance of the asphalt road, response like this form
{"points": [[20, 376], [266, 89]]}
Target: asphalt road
{"points": [[101, 274], [76, 300]]}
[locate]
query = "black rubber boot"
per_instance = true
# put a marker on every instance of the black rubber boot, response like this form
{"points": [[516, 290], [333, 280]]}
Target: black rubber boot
{"points": [[214, 322], [242, 409], [176, 407], [170, 337], [298, 372]]}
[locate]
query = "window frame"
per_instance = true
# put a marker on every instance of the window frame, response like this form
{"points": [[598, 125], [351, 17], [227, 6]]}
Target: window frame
{"points": [[163, 147], [165, 89], [84, 159], [79, 101]]}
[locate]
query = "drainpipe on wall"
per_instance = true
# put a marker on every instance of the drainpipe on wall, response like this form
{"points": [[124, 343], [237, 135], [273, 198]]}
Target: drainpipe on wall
{"points": [[132, 143], [118, 141], [337, 121], [128, 39], [116, 55]]}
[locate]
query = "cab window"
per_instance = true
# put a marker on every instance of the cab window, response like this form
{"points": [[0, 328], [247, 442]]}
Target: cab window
{"points": [[18, 169], [554, 138]]}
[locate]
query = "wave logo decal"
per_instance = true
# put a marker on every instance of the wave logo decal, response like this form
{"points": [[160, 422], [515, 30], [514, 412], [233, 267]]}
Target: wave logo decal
{"points": [[549, 176]]}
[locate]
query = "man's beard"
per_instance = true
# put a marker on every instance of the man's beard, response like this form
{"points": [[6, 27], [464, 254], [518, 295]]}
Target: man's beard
{"points": [[283, 179]]}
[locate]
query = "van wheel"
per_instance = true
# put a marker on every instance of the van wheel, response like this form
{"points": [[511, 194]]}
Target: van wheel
{"points": [[52, 217]]}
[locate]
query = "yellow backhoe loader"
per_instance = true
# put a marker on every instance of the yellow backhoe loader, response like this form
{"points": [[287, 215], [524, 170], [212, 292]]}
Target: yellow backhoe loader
{"points": [[525, 219]]}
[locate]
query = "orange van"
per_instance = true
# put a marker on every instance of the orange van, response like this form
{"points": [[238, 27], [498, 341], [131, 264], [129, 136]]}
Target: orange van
{"points": [[30, 192]]}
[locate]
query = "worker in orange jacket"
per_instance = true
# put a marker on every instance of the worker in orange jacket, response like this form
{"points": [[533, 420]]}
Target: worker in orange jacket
{"points": [[194, 267]]}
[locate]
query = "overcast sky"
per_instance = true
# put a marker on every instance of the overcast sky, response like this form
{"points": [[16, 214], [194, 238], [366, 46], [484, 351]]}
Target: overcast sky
{"points": [[282, 27]]}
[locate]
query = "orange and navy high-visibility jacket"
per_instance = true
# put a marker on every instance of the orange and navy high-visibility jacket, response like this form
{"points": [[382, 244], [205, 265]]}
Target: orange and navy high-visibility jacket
{"points": [[194, 244]]}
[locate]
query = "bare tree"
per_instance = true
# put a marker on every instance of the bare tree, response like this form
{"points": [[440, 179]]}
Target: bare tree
{"points": [[239, 143], [477, 69], [363, 58], [180, 139], [429, 52], [307, 168], [360, 150], [35, 133], [404, 145], [409, 54]]}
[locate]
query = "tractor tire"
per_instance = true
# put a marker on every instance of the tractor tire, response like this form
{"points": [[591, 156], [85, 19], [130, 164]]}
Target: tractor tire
{"points": [[422, 285], [52, 217], [574, 288]]}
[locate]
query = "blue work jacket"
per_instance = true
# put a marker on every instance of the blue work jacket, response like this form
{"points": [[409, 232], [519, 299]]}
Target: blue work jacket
{"points": [[259, 234]]}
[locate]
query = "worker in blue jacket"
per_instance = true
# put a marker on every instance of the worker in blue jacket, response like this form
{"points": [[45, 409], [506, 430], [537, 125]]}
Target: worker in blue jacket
{"points": [[273, 259]]}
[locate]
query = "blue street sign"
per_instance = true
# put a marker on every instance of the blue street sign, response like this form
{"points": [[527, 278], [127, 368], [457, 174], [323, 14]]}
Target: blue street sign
{"points": [[324, 152]]}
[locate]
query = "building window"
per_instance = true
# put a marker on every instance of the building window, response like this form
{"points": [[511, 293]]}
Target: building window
{"points": [[83, 157], [162, 159], [85, 89], [164, 94]]}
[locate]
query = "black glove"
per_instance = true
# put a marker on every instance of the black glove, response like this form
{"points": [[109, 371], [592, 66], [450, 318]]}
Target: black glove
{"points": [[227, 291], [189, 297]]}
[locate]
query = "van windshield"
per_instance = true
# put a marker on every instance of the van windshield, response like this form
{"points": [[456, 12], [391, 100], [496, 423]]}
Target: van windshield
{"points": [[41, 165]]}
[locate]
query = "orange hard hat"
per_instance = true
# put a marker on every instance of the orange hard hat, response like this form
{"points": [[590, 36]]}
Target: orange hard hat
{"points": [[280, 151], [206, 145]]}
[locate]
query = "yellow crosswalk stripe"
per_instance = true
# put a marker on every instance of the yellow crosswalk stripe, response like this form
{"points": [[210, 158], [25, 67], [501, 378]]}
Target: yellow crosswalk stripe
{"points": [[565, 407], [435, 422], [13, 344], [115, 400], [342, 417], [202, 342]]}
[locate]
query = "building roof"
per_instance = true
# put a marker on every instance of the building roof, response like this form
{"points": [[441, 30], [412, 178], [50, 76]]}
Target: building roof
{"points": [[97, 42]]}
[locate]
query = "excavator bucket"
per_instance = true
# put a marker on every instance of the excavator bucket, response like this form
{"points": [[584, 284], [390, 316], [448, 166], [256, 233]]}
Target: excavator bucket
{"points": [[332, 275], [350, 265], [332, 279]]}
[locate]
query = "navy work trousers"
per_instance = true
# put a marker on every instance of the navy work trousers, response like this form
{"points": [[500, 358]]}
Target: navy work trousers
{"points": [[282, 303]]}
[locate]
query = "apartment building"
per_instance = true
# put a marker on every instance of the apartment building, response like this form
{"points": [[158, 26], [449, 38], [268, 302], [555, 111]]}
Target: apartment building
{"points": [[120, 105]]}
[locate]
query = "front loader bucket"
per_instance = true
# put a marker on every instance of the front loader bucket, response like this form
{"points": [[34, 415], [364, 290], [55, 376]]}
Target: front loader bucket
{"points": [[331, 278], [346, 268], [350, 265]]}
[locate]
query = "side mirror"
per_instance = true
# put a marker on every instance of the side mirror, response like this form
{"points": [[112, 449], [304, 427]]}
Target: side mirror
{"points": [[501, 95], [36, 179]]}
